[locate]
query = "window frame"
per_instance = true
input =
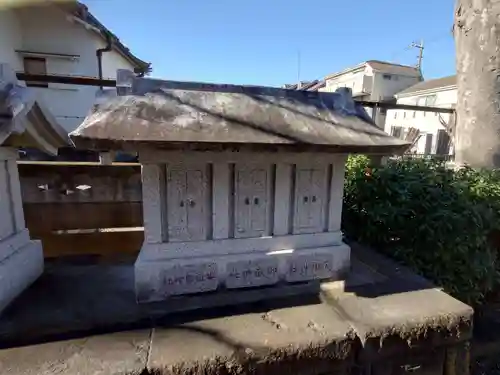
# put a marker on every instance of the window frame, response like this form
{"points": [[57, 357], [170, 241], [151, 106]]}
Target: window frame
{"points": [[27, 70], [433, 101]]}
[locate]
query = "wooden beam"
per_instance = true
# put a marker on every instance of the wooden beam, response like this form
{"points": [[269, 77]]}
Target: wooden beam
{"points": [[103, 244], [44, 218], [386, 105], [92, 81], [66, 80]]}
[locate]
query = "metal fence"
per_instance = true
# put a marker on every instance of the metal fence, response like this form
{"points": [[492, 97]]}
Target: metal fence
{"points": [[440, 157]]}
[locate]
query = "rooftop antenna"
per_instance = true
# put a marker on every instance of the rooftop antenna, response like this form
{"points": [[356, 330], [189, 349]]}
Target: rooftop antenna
{"points": [[298, 70]]}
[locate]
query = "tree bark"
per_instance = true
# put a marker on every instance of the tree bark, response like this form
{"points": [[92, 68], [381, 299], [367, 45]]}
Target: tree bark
{"points": [[477, 41]]}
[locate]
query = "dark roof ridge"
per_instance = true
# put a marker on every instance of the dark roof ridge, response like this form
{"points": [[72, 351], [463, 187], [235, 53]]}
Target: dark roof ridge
{"points": [[82, 12]]}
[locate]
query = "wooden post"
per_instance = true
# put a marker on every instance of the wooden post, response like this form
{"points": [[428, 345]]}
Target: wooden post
{"points": [[376, 160], [106, 158], [457, 361]]}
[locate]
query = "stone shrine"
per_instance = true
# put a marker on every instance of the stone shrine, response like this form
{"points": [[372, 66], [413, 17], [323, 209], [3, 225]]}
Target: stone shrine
{"points": [[24, 122], [242, 185]]}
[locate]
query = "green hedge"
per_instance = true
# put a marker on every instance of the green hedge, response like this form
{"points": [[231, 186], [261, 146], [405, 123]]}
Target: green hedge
{"points": [[434, 219]]}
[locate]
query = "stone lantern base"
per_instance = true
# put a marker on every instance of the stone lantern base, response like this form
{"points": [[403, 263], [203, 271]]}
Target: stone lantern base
{"points": [[21, 263], [21, 259]]}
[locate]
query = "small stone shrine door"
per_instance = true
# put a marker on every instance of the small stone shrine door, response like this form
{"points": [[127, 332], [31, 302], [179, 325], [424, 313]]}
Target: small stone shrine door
{"points": [[252, 201]]}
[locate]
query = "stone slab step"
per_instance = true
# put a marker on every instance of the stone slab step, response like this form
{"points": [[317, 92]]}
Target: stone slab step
{"points": [[309, 340]]}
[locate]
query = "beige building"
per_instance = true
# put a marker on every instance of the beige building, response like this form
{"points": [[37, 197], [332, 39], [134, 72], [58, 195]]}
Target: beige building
{"points": [[371, 80]]}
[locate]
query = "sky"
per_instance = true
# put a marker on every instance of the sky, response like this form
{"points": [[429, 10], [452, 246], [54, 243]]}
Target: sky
{"points": [[273, 42]]}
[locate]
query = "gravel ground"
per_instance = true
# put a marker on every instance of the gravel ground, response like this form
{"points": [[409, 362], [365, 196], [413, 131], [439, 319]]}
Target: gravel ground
{"points": [[486, 366], [487, 336]]}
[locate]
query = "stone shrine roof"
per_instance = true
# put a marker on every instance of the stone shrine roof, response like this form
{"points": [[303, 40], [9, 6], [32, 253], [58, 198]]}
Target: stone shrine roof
{"points": [[197, 116], [25, 122]]}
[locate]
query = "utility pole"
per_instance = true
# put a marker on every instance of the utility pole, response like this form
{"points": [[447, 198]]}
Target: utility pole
{"points": [[420, 56]]}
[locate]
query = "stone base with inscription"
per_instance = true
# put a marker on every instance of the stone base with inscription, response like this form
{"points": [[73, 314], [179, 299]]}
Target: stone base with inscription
{"points": [[21, 263], [157, 279]]}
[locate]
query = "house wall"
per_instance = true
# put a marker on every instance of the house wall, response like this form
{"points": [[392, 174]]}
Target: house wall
{"points": [[426, 122], [358, 81], [111, 61], [386, 85], [49, 30], [11, 38]]}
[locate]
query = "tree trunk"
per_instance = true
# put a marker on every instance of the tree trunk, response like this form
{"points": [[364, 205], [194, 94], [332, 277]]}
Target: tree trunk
{"points": [[477, 40]]}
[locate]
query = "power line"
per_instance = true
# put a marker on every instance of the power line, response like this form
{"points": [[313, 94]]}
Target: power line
{"points": [[396, 54], [429, 41]]}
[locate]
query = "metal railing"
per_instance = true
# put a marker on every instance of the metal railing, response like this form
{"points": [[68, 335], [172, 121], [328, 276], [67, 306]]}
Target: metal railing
{"points": [[439, 157]]}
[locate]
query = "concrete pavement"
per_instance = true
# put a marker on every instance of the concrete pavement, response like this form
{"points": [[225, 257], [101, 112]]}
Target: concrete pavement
{"points": [[383, 312]]}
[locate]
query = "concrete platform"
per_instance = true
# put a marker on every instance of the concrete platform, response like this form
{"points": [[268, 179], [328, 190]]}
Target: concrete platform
{"points": [[117, 353], [71, 300], [383, 312], [267, 343]]}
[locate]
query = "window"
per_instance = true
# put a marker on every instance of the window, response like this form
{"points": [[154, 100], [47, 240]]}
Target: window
{"points": [[430, 100], [396, 131], [404, 133], [35, 65], [414, 114], [443, 142], [428, 143], [387, 77], [395, 115], [404, 114]]}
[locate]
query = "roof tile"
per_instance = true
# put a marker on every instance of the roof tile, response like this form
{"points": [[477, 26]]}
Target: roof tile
{"points": [[430, 84]]}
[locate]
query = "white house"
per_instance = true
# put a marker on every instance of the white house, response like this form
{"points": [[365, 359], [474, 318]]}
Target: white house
{"points": [[62, 38], [23, 122], [242, 185], [432, 136]]}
